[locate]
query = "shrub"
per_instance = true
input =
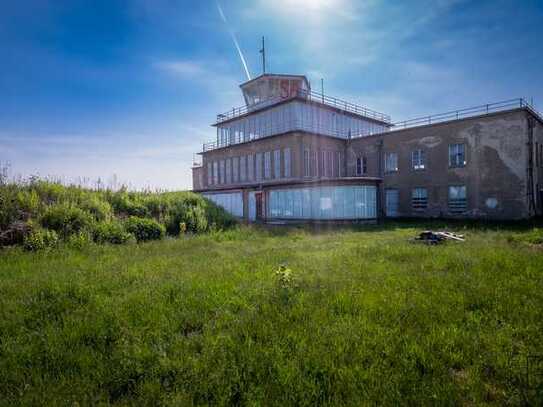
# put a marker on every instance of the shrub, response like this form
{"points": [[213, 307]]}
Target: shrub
{"points": [[99, 209], [112, 232], [124, 205], [28, 202], [144, 229], [40, 239], [66, 219], [193, 218]]}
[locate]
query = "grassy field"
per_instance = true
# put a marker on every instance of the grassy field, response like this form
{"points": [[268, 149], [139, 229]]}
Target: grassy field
{"points": [[359, 316]]}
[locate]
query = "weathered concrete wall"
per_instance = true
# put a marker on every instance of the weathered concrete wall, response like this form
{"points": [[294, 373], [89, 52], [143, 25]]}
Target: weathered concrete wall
{"points": [[494, 176]]}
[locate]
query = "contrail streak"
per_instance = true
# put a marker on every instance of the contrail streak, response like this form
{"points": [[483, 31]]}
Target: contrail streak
{"points": [[235, 41]]}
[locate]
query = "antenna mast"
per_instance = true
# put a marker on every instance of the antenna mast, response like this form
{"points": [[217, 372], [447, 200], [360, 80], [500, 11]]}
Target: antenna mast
{"points": [[263, 52]]}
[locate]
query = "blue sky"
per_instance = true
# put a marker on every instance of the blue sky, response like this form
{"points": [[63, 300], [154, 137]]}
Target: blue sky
{"points": [[96, 88]]}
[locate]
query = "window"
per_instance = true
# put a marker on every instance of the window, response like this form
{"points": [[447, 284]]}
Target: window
{"points": [[286, 159], [457, 155], [235, 169], [457, 198], [228, 171], [258, 166], [361, 165], [322, 165], [209, 173], [243, 168], [338, 158], [330, 163], [418, 160], [314, 163], [215, 173], [277, 163], [221, 172], [306, 164], [267, 165], [251, 167], [391, 162], [419, 198]]}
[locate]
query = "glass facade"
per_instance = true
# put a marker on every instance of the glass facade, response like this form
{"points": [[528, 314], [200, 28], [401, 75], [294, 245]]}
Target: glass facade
{"points": [[323, 203], [232, 202]]}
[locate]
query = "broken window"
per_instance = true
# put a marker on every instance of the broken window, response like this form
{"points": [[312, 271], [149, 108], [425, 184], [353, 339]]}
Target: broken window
{"points": [[457, 198], [418, 160], [457, 155], [419, 198], [391, 162]]}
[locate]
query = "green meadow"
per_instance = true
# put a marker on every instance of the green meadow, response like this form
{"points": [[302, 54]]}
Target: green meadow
{"points": [[277, 316]]}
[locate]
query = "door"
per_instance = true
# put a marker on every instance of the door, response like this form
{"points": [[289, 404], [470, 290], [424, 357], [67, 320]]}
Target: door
{"points": [[259, 206], [392, 200]]}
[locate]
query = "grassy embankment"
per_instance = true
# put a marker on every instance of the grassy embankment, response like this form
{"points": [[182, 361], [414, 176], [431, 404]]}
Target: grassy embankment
{"points": [[360, 316]]}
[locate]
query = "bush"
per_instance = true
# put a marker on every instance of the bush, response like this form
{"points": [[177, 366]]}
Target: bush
{"points": [[144, 229], [28, 202], [40, 239], [112, 232], [99, 209], [193, 218], [124, 205], [66, 219]]}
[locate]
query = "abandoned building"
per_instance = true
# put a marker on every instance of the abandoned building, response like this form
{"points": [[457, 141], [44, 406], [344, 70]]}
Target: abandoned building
{"points": [[291, 154]]}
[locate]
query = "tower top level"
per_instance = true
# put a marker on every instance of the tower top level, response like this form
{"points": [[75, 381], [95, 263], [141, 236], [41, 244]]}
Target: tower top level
{"points": [[268, 87]]}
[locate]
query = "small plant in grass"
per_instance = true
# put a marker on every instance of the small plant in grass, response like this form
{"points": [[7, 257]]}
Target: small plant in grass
{"points": [[40, 239], [80, 239], [284, 276], [144, 229], [182, 228]]}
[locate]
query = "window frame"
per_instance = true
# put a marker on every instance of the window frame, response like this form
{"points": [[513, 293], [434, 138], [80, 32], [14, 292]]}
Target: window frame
{"points": [[459, 159], [418, 160], [396, 167], [419, 203], [457, 205]]}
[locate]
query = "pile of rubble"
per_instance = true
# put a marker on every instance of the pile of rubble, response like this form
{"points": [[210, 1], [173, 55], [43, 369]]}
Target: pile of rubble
{"points": [[430, 237]]}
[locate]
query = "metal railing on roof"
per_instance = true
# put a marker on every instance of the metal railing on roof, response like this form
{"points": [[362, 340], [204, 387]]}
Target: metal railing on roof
{"points": [[464, 113], [312, 97], [420, 121]]}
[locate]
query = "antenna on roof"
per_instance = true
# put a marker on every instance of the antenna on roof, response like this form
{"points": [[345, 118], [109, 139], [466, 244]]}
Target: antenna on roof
{"points": [[263, 52]]}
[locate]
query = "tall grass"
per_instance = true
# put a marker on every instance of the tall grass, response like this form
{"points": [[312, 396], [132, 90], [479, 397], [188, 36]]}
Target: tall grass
{"points": [[33, 210], [277, 317]]}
